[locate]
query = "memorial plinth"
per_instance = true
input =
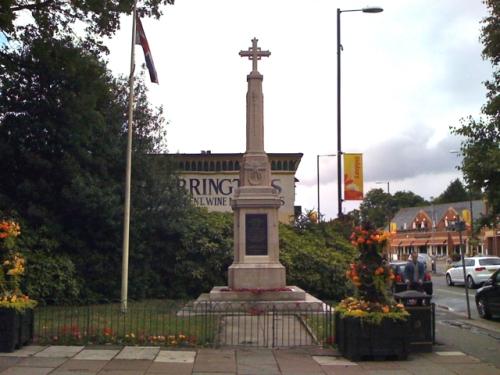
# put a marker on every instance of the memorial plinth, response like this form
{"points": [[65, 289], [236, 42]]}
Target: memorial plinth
{"points": [[256, 274]]}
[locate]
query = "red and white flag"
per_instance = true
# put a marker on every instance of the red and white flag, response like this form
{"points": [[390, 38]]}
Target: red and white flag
{"points": [[143, 41]]}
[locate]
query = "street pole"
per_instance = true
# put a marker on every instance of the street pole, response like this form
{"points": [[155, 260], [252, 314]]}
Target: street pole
{"points": [[471, 220], [339, 143], [460, 226], [317, 175], [339, 117]]}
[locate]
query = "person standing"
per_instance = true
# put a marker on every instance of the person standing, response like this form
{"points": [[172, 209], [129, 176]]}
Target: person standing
{"points": [[414, 272]]}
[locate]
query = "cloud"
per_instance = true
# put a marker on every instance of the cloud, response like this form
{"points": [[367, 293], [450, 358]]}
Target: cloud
{"points": [[405, 156]]}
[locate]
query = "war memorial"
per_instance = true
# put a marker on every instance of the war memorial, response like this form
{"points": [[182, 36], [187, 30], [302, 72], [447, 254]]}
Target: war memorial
{"points": [[256, 279]]}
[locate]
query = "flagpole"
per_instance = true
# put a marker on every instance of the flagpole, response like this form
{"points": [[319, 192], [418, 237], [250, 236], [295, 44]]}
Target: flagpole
{"points": [[128, 172]]}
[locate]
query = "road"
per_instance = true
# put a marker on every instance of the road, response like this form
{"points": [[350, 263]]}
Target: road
{"points": [[452, 298]]}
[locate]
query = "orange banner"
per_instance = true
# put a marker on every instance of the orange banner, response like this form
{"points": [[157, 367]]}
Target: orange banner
{"points": [[353, 177]]}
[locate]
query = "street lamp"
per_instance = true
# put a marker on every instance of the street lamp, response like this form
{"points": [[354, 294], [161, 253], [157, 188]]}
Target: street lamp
{"points": [[339, 143], [384, 182], [317, 174]]}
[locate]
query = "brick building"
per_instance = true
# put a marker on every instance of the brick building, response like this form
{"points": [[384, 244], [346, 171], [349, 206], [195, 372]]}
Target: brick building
{"points": [[432, 230]]}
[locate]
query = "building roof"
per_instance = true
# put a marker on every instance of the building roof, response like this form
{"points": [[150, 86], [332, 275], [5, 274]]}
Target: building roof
{"points": [[206, 161], [436, 211]]}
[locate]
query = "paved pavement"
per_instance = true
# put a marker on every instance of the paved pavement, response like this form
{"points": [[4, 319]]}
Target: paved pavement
{"points": [[78, 360]]}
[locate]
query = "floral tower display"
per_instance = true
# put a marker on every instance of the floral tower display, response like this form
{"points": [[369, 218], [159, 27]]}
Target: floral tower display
{"points": [[16, 309], [371, 323]]}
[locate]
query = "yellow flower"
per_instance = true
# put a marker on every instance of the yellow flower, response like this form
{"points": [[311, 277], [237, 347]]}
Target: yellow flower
{"points": [[358, 312]]}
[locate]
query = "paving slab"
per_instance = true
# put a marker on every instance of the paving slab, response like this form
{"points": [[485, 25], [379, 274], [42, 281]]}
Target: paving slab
{"points": [[138, 352], [170, 368], [380, 365], [449, 354], [324, 360], [432, 371], [27, 371], [319, 351], [127, 364], [59, 351], [256, 361], [25, 351], [249, 356], [6, 362], [97, 354], [344, 370], [175, 356], [477, 368], [453, 359], [73, 372], [214, 360], [390, 372], [82, 365], [298, 362], [41, 362], [122, 372]]}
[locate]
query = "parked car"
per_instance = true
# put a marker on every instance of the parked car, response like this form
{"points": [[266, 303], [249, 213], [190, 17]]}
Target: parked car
{"points": [[488, 297], [399, 285], [477, 270]]}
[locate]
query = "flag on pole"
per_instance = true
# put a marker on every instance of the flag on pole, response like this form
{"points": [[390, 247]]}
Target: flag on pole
{"points": [[143, 41]]}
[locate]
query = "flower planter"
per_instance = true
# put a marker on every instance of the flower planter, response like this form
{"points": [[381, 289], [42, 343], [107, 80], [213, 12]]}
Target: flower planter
{"points": [[9, 330], [26, 326], [358, 339], [16, 328]]}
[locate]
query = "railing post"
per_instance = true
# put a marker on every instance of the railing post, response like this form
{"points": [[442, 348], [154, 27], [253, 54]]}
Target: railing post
{"points": [[273, 327]]}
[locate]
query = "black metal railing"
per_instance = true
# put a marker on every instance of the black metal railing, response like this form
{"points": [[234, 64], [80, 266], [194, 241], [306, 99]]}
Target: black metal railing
{"points": [[180, 323]]}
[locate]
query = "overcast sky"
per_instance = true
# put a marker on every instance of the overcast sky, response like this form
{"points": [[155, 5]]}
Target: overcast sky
{"points": [[407, 75]]}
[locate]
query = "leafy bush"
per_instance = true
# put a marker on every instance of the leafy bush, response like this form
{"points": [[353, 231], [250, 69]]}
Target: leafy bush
{"points": [[205, 253], [316, 257], [50, 277]]}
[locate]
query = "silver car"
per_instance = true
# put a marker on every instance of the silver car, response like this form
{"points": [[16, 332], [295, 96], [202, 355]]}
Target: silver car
{"points": [[477, 271]]}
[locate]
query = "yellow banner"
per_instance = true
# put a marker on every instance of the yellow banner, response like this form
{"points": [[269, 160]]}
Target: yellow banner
{"points": [[353, 177], [393, 227], [466, 216]]}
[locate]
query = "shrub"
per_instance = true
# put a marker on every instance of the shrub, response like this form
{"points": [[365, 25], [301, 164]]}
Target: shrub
{"points": [[50, 277], [315, 257]]}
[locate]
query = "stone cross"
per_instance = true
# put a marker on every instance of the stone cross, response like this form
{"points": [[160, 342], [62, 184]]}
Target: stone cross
{"points": [[254, 53]]}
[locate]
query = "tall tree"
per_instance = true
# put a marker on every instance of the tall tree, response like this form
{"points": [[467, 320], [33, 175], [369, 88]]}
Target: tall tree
{"points": [[481, 145], [51, 17], [455, 192], [378, 207], [63, 132], [403, 199]]}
